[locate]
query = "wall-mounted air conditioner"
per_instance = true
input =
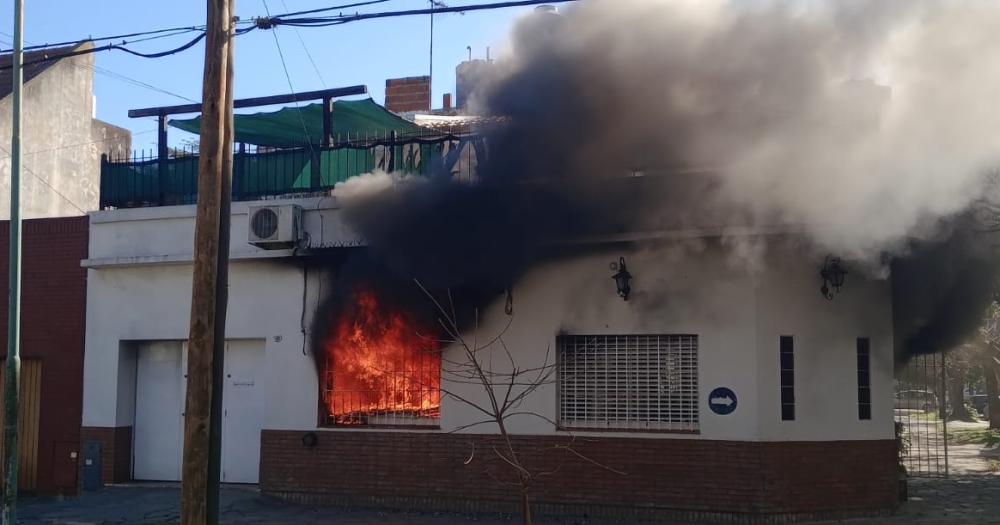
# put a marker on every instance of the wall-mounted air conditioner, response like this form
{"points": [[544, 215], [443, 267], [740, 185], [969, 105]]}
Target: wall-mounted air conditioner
{"points": [[274, 227]]}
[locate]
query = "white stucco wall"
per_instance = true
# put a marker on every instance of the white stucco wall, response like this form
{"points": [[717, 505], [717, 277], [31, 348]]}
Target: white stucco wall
{"points": [[139, 289], [152, 303]]}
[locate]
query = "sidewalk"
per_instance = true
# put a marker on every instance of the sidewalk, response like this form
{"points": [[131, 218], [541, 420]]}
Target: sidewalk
{"points": [[961, 500], [157, 504]]}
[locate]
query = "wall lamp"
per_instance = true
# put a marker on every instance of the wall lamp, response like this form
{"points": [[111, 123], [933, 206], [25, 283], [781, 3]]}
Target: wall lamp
{"points": [[623, 279], [832, 273]]}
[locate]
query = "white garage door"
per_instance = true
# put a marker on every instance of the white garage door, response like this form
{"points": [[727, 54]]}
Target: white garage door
{"points": [[159, 423]]}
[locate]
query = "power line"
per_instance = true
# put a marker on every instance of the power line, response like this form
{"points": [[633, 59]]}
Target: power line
{"points": [[109, 47], [332, 8], [112, 74], [82, 144], [269, 23], [306, 49], [284, 66], [344, 19], [175, 30], [135, 82], [45, 182]]}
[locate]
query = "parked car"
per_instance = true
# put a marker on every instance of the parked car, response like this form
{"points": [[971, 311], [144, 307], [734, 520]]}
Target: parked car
{"points": [[981, 403], [916, 400]]}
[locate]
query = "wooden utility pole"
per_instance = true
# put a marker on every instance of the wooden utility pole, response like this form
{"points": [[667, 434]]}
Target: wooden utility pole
{"points": [[12, 384], [206, 342]]}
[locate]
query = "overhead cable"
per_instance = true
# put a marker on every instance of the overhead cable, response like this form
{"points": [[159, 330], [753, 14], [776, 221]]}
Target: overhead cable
{"points": [[344, 19], [268, 23]]}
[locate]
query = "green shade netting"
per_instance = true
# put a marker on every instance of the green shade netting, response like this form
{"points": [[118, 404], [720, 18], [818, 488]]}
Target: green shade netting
{"points": [[294, 127]]}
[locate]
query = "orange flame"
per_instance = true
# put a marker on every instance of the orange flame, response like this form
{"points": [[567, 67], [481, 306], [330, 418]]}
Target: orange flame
{"points": [[381, 367]]}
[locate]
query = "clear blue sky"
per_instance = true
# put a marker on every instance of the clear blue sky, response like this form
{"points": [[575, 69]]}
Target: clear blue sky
{"points": [[366, 52]]}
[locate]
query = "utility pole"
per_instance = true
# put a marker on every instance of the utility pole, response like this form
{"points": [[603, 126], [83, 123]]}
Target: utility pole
{"points": [[206, 342], [430, 70], [12, 381]]}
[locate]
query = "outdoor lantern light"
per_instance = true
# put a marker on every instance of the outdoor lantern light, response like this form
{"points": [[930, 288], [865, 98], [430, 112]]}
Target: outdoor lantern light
{"points": [[623, 279], [832, 274]]}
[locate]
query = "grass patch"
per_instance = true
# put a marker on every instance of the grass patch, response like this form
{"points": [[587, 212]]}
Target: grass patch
{"points": [[977, 436]]}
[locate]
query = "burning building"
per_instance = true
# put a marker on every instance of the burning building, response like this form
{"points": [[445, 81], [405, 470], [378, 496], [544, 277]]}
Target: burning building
{"points": [[665, 289], [715, 387]]}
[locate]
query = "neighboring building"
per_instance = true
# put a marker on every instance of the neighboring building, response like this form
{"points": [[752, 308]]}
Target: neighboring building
{"points": [[468, 76], [405, 95], [61, 141], [53, 306]]}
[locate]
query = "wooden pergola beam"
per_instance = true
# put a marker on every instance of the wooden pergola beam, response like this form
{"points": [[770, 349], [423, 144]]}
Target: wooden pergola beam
{"points": [[323, 94]]}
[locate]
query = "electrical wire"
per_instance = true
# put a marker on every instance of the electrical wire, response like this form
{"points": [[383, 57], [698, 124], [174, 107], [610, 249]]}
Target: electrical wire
{"points": [[109, 47], [8, 40], [344, 19], [135, 82], [333, 8], [284, 66], [265, 23], [177, 30], [45, 182], [306, 49], [121, 47], [82, 144]]}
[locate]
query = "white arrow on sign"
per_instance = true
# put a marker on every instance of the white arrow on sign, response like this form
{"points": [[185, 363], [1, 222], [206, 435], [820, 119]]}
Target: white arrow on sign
{"points": [[722, 401]]}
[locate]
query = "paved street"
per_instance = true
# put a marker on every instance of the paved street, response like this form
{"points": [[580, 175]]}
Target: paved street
{"points": [[971, 499]]}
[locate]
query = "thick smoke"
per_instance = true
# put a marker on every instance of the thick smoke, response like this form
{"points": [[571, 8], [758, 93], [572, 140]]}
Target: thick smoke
{"points": [[864, 124]]}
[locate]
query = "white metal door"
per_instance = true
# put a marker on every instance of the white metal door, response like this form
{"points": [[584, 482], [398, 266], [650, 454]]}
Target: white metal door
{"points": [[243, 411], [159, 402]]}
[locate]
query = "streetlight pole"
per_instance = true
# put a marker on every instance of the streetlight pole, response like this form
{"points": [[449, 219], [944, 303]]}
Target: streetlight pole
{"points": [[12, 381]]}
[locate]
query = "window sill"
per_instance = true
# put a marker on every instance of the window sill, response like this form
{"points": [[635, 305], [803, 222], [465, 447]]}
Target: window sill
{"points": [[562, 428], [380, 427]]}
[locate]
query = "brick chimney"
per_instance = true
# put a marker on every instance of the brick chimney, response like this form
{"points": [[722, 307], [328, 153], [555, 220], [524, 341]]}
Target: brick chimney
{"points": [[408, 94], [446, 102]]}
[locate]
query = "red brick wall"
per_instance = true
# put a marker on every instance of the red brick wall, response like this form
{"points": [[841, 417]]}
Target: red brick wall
{"points": [[685, 477], [408, 94], [116, 451], [53, 306]]}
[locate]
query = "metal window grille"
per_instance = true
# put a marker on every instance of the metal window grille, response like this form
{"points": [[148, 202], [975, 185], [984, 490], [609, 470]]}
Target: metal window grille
{"points": [[628, 382], [787, 364], [399, 393], [864, 379]]}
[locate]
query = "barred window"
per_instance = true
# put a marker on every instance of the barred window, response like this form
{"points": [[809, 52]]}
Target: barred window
{"points": [[864, 378], [628, 382], [786, 353]]}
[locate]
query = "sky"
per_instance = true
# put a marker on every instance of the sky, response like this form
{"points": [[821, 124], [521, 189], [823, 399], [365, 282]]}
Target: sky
{"points": [[366, 52]]}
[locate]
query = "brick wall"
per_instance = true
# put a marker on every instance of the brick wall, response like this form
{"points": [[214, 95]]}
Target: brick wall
{"points": [[53, 306], [665, 478], [116, 451], [408, 94]]}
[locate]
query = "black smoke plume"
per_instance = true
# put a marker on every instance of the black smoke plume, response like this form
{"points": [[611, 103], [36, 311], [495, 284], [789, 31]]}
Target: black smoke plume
{"points": [[864, 124]]}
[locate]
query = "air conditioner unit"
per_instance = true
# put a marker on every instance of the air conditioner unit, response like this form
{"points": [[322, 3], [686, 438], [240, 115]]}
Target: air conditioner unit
{"points": [[274, 227]]}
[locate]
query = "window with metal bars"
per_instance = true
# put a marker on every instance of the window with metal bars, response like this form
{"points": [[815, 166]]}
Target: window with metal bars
{"points": [[864, 379], [401, 391], [628, 382], [787, 364]]}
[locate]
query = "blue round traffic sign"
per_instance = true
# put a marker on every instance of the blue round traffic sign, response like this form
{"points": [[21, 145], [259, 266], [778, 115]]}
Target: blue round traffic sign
{"points": [[722, 401]]}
